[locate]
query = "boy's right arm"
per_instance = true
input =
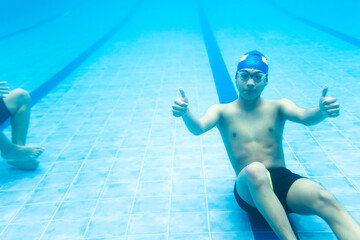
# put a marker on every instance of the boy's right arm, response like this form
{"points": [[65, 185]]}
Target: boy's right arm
{"points": [[195, 125]]}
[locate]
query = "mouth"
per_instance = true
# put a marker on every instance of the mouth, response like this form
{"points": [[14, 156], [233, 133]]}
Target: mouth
{"points": [[249, 91]]}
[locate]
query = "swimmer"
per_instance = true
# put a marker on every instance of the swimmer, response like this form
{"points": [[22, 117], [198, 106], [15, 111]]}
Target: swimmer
{"points": [[16, 105], [252, 130]]}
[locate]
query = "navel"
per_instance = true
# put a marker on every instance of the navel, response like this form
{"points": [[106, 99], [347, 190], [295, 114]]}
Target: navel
{"points": [[270, 129], [234, 134]]}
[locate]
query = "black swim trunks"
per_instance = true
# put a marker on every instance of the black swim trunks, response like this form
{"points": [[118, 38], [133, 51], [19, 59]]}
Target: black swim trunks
{"points": [[4, 112], [282, 179]]}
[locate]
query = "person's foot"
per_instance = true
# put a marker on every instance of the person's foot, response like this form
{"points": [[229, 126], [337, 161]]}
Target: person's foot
{"points": [[23, 157], [24, 164]]}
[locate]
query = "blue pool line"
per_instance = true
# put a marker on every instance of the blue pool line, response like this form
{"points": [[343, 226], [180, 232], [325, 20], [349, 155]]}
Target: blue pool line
{"points": [[43, 22], [337, 34], [224, 86], [36, 25], [227, 93], [47, 86]]}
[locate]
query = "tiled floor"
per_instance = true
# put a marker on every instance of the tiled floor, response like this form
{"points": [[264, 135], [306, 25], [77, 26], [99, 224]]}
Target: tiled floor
{"points": [[118, 165]]}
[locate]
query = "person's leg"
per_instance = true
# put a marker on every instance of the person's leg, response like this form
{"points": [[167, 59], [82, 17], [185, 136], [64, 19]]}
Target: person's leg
{"points": [[23, 157], [16, 153], [5, 145], [18, 103], [309, 198], [253, 186]]}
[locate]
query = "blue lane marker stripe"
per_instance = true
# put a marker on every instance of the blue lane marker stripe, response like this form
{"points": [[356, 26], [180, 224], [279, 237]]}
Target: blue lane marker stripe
{"points": [[43, 22], [224, 86], [227, 93], [47, 86], [337, 34], [262, 230]]}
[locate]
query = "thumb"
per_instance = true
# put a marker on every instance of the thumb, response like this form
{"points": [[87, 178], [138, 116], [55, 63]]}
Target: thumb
{"points": [[324, 91], [182, 92]]}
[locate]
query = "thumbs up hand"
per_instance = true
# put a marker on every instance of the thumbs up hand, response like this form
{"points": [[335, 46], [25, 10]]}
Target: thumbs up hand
{"points": [[180, 106], [328, 105]]}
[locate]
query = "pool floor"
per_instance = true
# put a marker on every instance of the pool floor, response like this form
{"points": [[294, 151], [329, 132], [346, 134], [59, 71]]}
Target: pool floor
{"points": [[118, 165]]}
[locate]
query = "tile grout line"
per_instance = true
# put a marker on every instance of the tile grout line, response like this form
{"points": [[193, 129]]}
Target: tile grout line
{"points": [[338, 130], [65, 195], [175, 122], [42, 90], [51, 81], [204, 181], [140, 172], [334, 33], [36, 187], [107, 177], [291, 149], [72, 183]]}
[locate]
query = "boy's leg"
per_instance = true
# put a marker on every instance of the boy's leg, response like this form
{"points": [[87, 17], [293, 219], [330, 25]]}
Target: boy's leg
{"points": [[19, 104], [15, 152], [5, 144], [253, 186], [23, 157], [308, 197]]}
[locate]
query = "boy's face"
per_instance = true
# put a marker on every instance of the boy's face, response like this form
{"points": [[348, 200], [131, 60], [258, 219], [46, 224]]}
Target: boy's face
{"points": [[250, 83]]}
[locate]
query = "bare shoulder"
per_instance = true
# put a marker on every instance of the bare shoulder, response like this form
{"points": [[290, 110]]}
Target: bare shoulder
{"points": [[227, 107], [214, 111], [289, 110], [222, 106], [211, 117], [282, 106], [283, 103], [216, 108]]}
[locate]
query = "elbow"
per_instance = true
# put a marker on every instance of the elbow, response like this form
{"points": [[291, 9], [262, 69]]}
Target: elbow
{"points": [[196, 133], [310, 122], [306, 122]]}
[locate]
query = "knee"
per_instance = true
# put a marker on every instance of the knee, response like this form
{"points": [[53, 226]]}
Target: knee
{"points": [[21, 97], [256, 174], [325, 200]]}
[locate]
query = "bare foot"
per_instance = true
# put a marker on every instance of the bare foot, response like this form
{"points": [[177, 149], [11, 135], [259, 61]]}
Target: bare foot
{"points": [[24, 164], [23, 157]]}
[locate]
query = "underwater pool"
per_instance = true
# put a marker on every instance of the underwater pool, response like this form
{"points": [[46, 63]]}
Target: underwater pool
{"points": [[103, 76]]}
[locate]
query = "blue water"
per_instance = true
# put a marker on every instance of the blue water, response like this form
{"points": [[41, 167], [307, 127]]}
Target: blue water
{"points": [[117, 164]]}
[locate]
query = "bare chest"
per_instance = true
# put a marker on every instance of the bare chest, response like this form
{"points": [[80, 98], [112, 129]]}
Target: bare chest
{"points": [[257, 126]]}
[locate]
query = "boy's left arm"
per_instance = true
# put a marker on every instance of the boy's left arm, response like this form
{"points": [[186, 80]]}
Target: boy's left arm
{"points": [[328, 107]]}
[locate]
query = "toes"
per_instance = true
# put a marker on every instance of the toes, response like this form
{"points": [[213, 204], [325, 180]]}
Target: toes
{"points": [[39, 150]]}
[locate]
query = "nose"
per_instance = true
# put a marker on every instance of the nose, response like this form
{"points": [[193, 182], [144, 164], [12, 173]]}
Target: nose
{"points": [[250, 83]]}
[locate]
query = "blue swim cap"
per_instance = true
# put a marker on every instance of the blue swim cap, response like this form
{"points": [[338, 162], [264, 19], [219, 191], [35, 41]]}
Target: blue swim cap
{"points": [[253, 60]]}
